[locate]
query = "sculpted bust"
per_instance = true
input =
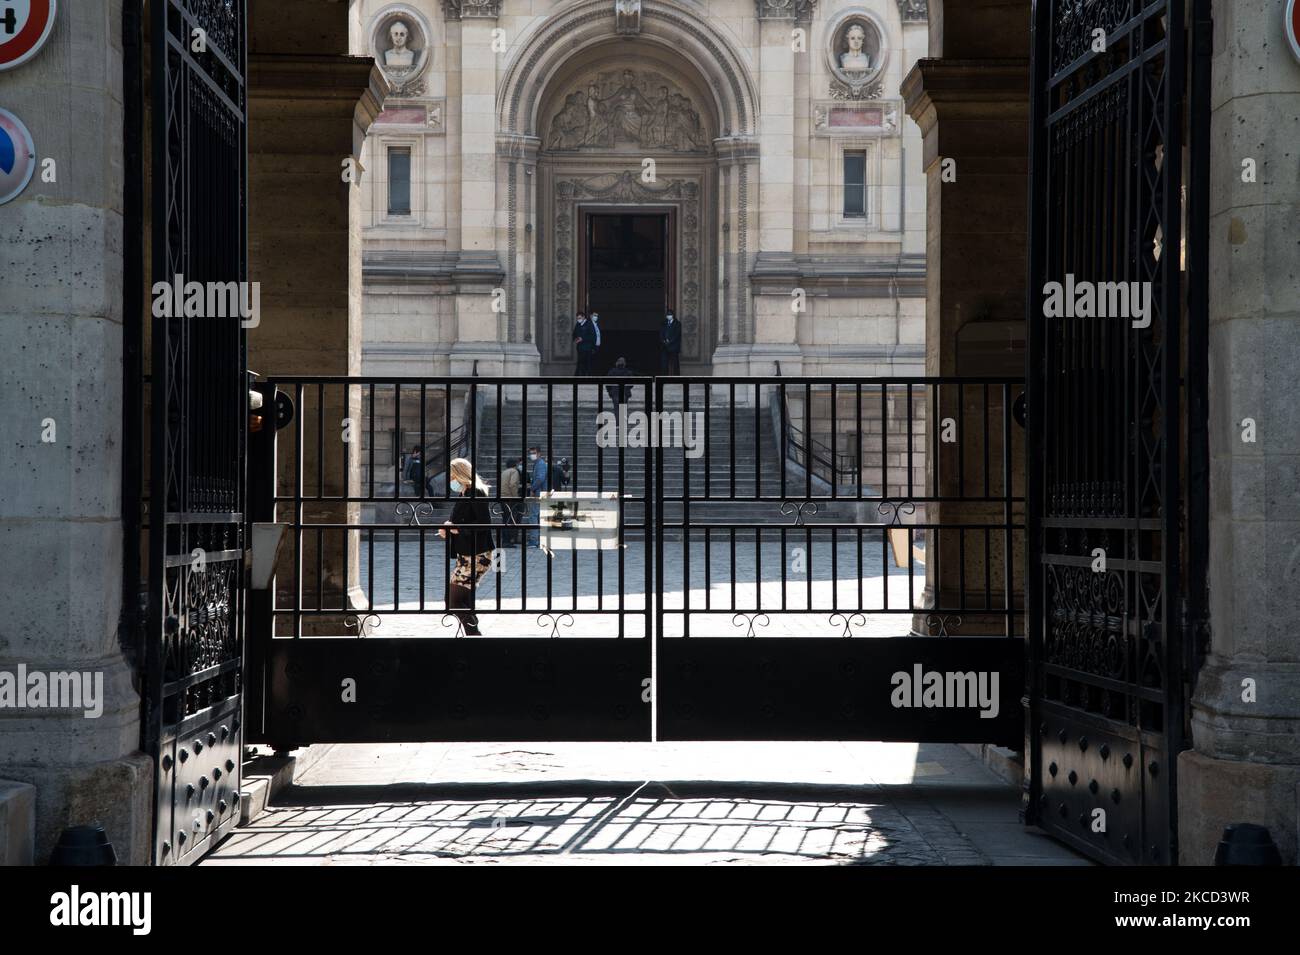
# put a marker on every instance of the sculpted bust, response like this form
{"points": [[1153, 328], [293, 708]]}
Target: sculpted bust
{"points": [[855, 60], [401, 56]]}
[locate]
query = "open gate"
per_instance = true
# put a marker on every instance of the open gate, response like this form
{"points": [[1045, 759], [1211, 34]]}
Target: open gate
{"points": [[1116, 476], [198, 417]]}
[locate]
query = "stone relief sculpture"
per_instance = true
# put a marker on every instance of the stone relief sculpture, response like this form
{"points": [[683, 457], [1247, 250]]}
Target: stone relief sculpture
{"points": [[399, 56], [854, 60], [646, 110], [400, 43], [856, 57]]}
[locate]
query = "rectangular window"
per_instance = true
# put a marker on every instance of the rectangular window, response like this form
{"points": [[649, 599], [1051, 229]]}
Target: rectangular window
{"points": [[855, 184], [399, 182]]}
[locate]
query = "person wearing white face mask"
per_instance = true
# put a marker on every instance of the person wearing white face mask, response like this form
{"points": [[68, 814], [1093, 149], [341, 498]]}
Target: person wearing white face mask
{"points": [[469, 537]]}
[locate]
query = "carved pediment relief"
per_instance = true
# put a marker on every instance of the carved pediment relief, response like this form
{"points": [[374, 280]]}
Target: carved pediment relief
{"points": [[636, 109]]}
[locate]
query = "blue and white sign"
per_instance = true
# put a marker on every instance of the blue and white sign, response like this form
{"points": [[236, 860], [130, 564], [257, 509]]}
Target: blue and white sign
{"points": [[17, 156]]}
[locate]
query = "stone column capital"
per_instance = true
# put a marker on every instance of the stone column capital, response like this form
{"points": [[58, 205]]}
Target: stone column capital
{"points": [[785, 9], [516, 146], [471, 9], [736, 150], [913, 11]]}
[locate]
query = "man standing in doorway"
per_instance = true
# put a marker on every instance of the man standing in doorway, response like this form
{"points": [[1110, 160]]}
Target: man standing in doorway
{"points": [[584, 339], [670, 345], [595, 324]]}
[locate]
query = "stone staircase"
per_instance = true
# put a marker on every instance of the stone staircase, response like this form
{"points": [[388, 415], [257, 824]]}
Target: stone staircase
{"points": [[753, 458]]}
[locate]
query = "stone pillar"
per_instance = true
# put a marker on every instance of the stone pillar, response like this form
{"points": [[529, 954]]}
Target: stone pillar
{"points": [[517, 177], [479, 270], [61, 531], [775, 274], [737, 178], [975, 113], [1245, 766], [308, 112]]}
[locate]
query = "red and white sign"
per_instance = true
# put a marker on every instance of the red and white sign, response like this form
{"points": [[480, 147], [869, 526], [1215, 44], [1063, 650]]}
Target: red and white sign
{"points": [[1292, 26], [25, 25]]}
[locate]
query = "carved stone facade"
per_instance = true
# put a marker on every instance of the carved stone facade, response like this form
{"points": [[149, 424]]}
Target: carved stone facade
{"points": [[643, 109], [534, 118]]}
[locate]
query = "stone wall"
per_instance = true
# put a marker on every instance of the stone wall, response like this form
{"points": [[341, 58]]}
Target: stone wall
{"points": [[61, 508], [1246, 763]]}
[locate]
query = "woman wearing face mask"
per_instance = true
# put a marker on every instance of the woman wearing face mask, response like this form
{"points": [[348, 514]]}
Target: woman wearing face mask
{"points": [[470, 540]]}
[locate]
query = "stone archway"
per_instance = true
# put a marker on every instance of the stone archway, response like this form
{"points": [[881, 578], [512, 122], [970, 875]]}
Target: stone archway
{"points": [[652, 111]]}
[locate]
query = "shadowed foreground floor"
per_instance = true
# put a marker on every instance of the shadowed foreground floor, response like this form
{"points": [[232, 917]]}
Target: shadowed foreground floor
{"points": [[617, 804]]}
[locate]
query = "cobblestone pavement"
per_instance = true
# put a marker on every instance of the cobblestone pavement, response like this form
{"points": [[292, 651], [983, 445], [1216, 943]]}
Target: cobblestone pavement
{"points": [[816, 584], [745, 803]]}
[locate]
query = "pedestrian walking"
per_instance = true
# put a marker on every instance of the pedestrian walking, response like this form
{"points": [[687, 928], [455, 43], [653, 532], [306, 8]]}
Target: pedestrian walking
{"points": [[618, 392], [469, 535]]}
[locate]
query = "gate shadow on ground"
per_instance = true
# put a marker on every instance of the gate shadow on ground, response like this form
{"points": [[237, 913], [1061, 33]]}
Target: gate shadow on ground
{"points": [[601, 820]]}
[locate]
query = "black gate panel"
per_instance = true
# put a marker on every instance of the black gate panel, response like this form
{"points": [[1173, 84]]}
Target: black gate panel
{"points": [[444, 690], [199, 411], [1106, 684], [357, 640], [806, 688], [839, 559]]}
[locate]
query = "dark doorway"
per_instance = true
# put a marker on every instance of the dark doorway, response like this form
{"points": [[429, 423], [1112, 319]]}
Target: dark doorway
{"points": [[628, 285]]}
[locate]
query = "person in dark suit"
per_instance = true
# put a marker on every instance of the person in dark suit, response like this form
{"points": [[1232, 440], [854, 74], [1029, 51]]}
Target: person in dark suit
{"points": [[618, 392], [670, 345], [584, 339]]}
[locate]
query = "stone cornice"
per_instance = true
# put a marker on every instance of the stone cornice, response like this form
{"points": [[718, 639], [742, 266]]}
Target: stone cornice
{"points": [[968, 88], [343, 79], [844, 275]]}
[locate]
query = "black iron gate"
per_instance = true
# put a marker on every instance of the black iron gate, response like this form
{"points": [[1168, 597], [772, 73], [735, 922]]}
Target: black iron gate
{"points": [[723, 559], [199, 412], [1111, 581], [838, 559]]}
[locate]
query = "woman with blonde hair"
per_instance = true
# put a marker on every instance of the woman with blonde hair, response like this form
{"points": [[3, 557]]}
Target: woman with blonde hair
{"points": [[470, 537]]}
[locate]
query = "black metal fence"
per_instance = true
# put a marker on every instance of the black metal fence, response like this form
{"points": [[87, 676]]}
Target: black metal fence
{"points": [[655, 510]]}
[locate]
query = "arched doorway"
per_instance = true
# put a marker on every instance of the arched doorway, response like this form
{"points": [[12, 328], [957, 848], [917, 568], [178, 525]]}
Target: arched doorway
{"points": [[628, 147], [627, 199]]}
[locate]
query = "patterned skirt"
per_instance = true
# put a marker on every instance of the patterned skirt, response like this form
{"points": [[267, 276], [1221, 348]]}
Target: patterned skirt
{"points": [[470, 570]]}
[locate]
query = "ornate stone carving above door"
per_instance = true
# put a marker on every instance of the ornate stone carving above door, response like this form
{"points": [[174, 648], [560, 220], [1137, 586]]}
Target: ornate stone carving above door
{"points": [[640, 109], [627, 187]]}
